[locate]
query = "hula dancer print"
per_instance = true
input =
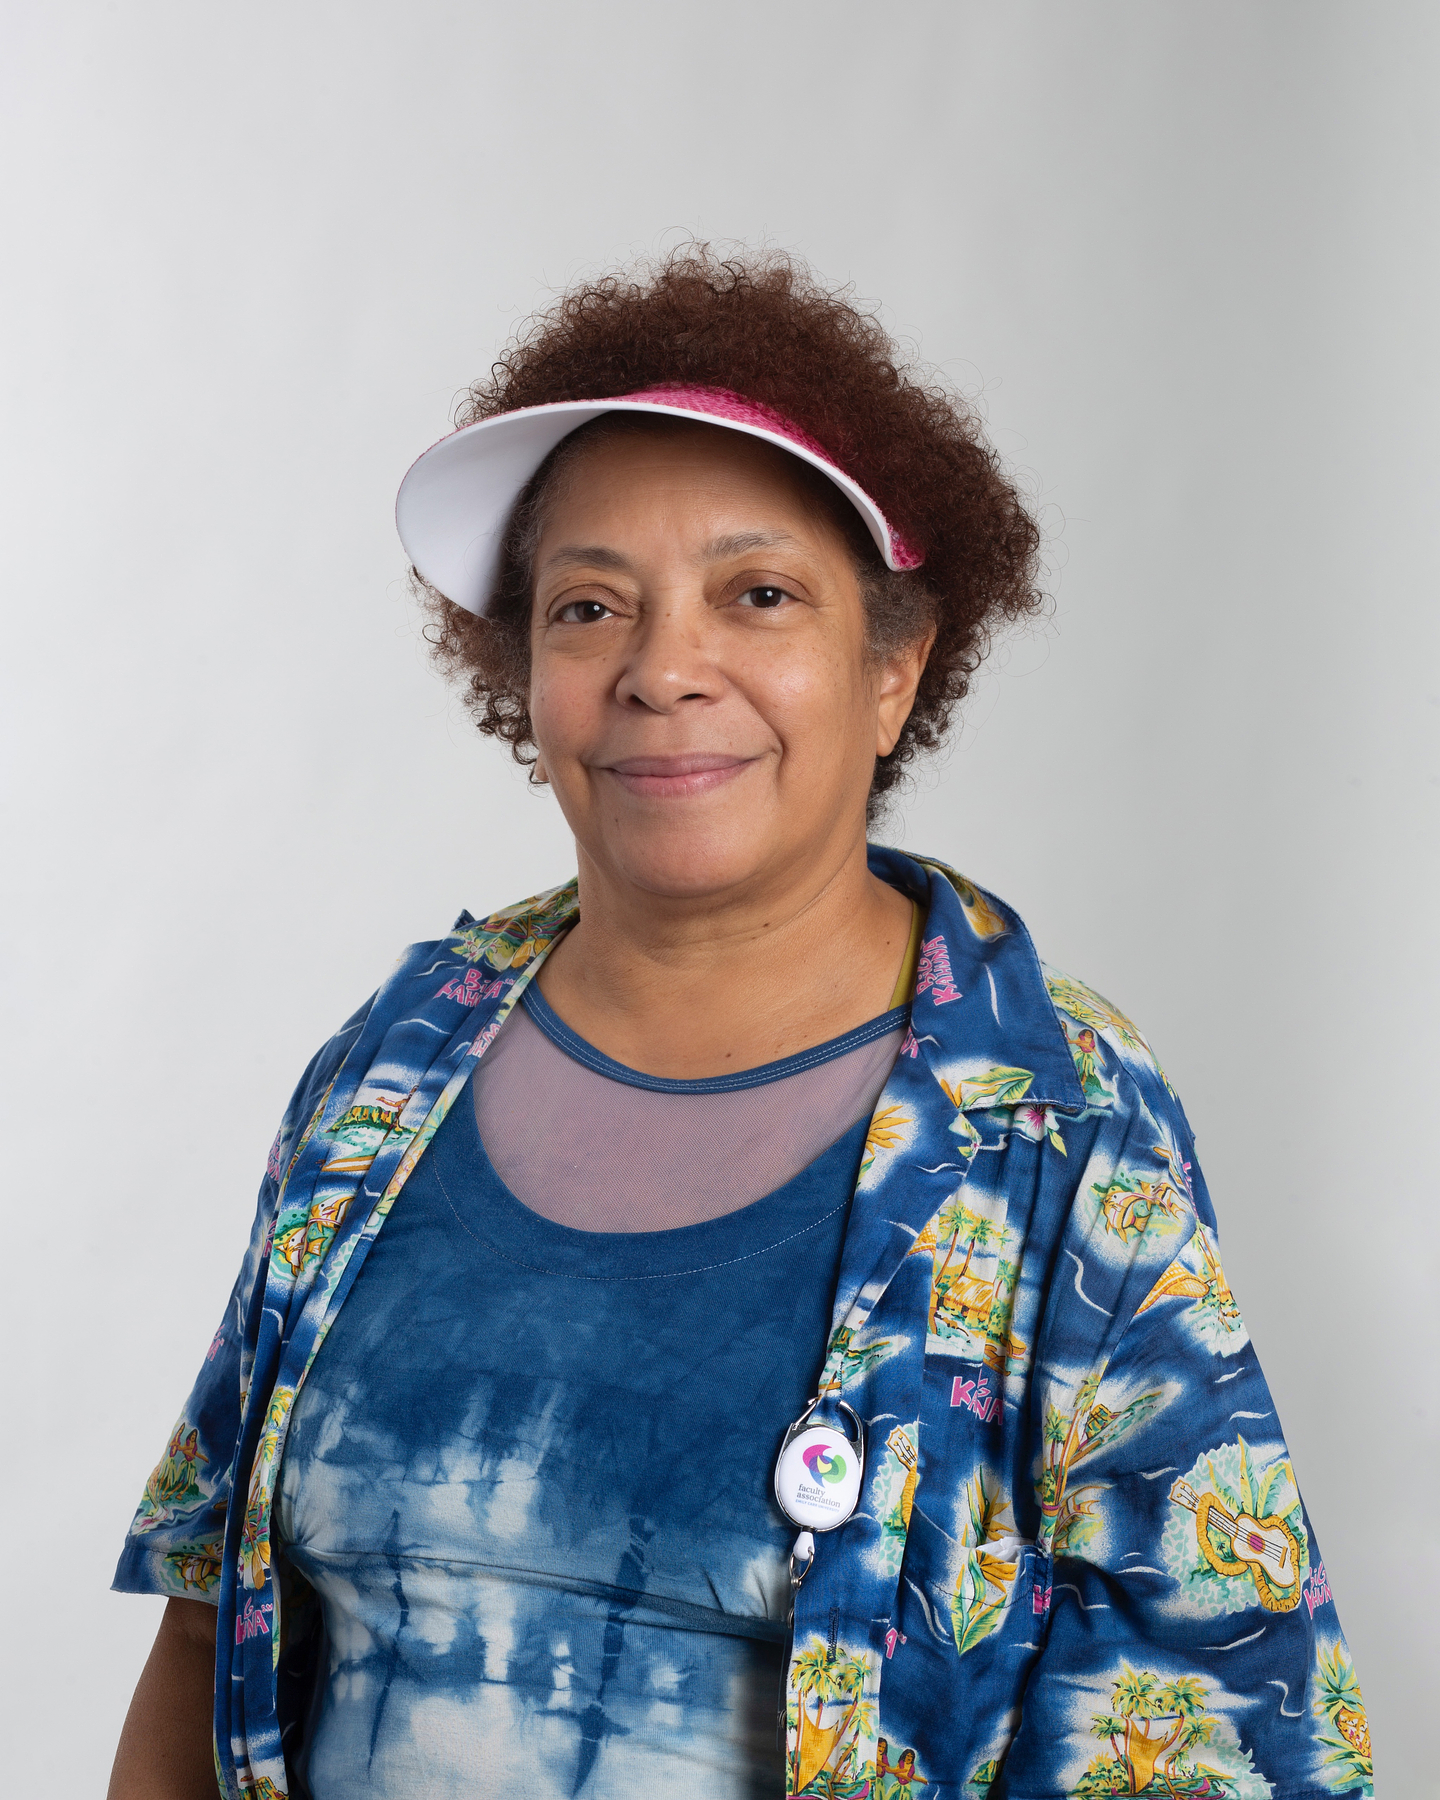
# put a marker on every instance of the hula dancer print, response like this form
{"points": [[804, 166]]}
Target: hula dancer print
{"points": [[1094, 1012], [173, 1487], [898, 1780], [1237, 1535]]}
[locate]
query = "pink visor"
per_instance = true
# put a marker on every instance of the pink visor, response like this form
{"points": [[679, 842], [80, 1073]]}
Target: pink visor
{"points": [[455, 502]]}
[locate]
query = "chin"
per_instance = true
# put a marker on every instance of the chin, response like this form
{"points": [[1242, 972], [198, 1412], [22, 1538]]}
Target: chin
{"points": [[682, 865]]}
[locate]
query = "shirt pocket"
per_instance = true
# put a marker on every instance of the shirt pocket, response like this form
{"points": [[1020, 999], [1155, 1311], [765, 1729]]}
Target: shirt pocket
{"points": [[995, 1585]]}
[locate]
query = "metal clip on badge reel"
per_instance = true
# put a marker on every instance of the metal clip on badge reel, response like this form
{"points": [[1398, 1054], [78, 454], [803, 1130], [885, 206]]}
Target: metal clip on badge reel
{"points": [[817, 1481]]}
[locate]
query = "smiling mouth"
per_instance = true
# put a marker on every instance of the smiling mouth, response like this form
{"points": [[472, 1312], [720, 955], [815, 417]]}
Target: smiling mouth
{"points": [[676, 777]]}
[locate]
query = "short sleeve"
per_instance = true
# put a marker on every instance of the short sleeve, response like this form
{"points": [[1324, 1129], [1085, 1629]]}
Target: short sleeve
{"points": [[1192, 1644], [175, 1542]]}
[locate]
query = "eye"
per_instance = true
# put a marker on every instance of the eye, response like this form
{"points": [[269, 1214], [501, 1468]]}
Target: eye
{"points": [[763, 598], [582, 612]]}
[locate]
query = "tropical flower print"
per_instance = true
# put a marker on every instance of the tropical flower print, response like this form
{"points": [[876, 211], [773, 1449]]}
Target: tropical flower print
{"points": [[1344, 1734], [1169, 1737], [1039, 1124], [988, 1563]]}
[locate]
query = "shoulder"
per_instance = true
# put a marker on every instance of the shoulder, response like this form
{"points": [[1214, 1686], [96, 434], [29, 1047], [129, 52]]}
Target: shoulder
{"points": [[1102, 1037]]}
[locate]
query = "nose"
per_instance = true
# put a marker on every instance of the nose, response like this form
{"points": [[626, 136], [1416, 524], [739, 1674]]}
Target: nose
{"points": [[670, 660]]}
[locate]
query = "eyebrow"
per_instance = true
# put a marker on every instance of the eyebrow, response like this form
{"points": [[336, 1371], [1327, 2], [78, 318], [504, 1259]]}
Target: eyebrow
{"points": [[733, 543], [739, 543]]}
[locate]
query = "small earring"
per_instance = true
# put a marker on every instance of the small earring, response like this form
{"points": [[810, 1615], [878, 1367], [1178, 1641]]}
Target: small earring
{"points": [[537, 776]]}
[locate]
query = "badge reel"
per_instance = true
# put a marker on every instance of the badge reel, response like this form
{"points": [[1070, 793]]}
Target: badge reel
{"points": [[817, 1480]]}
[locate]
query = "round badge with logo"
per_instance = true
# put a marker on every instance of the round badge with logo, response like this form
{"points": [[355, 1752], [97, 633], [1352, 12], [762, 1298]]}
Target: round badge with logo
{"points": [[818, 1472]]}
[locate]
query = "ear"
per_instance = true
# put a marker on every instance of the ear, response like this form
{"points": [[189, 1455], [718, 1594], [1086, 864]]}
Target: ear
{"points": [[899, 678]]}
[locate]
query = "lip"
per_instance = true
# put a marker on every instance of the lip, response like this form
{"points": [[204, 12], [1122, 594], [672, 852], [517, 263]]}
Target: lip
{"points": [[676, 777]]}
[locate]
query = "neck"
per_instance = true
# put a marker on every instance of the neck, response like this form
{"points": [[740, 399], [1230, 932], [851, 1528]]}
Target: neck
{"points": [[694, 986]]}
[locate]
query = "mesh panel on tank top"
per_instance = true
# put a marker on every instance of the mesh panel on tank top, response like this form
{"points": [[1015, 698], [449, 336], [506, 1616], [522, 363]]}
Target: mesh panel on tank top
{"points": [[588, 1143]]}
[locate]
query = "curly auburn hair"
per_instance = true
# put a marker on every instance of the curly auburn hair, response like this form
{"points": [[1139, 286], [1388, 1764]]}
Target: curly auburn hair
{"points": [[764, 328]]}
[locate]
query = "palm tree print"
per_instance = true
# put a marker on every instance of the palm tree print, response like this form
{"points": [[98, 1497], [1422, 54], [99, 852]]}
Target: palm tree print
{"points": [[959, 1302], [1150, 1728], [829, 1685]]}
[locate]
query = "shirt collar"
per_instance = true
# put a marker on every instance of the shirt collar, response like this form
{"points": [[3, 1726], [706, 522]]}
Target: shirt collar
{"points": [[981, 1012]]}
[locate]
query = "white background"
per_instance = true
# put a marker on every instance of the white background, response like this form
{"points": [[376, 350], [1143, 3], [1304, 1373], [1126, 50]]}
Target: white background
{"points": [[1185, 256]]}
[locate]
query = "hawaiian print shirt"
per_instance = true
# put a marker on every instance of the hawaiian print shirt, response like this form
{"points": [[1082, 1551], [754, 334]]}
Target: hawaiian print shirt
{"points": [[1080, 1565]]}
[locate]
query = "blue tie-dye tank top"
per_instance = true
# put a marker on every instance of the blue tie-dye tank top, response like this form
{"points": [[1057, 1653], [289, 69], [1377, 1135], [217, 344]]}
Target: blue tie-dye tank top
{"points": [[529, 1478]]}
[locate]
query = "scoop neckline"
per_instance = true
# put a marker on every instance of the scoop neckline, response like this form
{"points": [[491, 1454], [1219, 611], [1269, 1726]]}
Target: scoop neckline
{"points": [[546, 1019]]}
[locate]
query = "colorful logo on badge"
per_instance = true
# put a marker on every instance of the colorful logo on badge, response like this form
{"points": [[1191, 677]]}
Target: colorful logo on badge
{"points": [[824, 1465]]}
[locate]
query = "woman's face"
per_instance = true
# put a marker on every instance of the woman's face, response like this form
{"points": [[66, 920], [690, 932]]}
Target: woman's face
{"points": [[701, 694]]}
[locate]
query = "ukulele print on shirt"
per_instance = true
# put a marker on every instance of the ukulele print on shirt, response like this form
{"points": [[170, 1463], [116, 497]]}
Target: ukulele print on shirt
{"points": [[1237, 1535]]}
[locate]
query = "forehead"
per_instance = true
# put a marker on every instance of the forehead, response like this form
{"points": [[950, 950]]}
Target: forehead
{"points": [[621, 471]]}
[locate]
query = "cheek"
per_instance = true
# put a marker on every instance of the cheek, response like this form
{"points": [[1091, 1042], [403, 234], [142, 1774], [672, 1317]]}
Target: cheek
{"points": [[822, 692], [563, 698]]}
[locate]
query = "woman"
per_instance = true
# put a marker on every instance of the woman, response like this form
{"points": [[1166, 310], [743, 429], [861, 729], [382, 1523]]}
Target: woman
{"points": [[565, 1230]]}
